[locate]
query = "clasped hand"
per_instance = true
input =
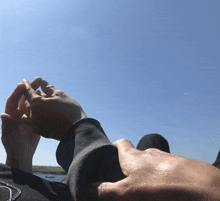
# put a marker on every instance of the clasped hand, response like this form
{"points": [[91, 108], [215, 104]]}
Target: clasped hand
{"points": [[52, 114], [29, 115], [19, 139]]}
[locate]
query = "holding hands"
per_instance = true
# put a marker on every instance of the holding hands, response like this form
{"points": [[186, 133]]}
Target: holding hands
{"points": [[149, 175], [29, 115], [52, 114]]}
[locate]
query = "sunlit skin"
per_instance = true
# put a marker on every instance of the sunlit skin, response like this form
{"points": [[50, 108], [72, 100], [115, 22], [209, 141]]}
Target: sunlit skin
{"points": [[149, 175], [23, 123], [53, 113], [156, 175], [18, 138]]}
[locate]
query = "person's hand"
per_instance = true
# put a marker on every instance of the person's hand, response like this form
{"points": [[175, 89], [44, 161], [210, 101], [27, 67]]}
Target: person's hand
{"points": [[19, 140], [53, 113], [156, 175]]}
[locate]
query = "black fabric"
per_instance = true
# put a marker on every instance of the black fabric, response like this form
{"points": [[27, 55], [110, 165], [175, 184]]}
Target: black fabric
{"points": [[32, 188], [157, 141], [153, 140], [87, 155], [217, 162]]}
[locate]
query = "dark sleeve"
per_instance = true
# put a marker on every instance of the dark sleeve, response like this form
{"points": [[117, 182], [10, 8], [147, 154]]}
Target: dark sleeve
{"points": [[26, 186], [217, 161], [87, 155]]}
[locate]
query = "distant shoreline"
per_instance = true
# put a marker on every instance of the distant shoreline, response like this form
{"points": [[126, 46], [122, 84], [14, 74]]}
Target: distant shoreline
{"points": [[48, 170], [56, 173]]}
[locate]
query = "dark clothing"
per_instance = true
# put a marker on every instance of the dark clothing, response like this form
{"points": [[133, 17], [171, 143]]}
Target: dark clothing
{"points": [[32, 188], [153, 140], [86, 154], [217, 162]]}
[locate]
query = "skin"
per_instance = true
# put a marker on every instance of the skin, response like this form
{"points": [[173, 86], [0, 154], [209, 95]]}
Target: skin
{"points": [[155, 175], [149, 175], [28, 114], [52, 114], [18, 138]]}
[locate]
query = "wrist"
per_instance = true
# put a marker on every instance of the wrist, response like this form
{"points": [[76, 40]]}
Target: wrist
{"points": [[71, 122], [22, 163]]}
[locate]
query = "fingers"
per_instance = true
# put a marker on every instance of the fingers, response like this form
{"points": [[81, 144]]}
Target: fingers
{"points": [[26, 118], [12, 101], [7, 124], [123, 145], [38, 92], [27, 108], [30, 93], [36, 83], [5, 117], [16, 99], [108, 191], [21, 102], [48, 89], [103, 191], [126, 155]]}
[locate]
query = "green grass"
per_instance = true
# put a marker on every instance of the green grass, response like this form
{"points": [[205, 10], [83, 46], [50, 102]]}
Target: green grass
{"points": [[47, 169]]}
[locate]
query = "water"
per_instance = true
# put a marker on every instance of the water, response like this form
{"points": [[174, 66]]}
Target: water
{"points": [[56, 177]]}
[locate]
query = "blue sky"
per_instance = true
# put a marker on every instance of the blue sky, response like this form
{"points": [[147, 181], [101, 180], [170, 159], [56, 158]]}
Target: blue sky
{"points": [[136, 66]]}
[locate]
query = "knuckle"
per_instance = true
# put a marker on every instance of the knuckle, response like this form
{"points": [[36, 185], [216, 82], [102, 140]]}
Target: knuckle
{"points": [[152, 151], [35, 99], [49, 86], [59, 93], [21, 86], [126, 140], [30, 90], [121, 141]]}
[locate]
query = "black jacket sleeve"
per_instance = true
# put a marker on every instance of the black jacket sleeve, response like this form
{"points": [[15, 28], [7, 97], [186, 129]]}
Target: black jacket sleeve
{"points": [[87, 155], [217, 161]]}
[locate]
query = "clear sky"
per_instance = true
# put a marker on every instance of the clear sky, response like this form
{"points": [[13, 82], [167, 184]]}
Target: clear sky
{"points": [[147, 66]]}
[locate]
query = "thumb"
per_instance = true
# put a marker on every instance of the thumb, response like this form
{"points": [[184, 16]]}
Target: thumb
{"points": [[104, 191], [7, 124], [48, 89], [5, 117]]}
